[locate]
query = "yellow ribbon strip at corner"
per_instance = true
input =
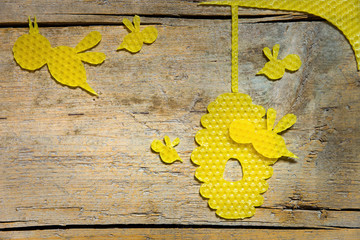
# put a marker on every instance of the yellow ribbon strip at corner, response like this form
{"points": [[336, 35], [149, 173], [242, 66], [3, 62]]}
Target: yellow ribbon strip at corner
{"points": [[344, 14]]}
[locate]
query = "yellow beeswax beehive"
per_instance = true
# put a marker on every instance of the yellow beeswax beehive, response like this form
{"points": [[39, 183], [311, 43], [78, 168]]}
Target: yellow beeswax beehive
{"points": [[232, 200]]}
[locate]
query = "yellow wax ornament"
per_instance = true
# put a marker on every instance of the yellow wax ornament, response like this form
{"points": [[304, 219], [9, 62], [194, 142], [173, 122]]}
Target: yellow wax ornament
{"points": [[344, 14], [275, 68], [32, 51], [133, 42], [167, 152], [235, 128], [265, 141]]}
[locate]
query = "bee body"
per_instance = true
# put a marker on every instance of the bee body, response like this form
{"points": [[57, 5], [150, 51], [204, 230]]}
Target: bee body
{"points": [[71, 71]]}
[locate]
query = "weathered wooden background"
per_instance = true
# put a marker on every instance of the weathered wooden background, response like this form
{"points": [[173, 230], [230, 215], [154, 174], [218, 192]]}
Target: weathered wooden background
{"points": [[73, 166]]}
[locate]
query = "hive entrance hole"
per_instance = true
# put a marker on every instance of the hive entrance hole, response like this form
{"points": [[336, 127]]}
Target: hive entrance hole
{"points": [[233, 171]]}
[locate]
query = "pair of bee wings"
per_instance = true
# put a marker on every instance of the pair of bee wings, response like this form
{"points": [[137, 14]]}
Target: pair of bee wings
{"points": [[158, 145], [291, 62], [241, 131], [286, 122], [90, 41]]}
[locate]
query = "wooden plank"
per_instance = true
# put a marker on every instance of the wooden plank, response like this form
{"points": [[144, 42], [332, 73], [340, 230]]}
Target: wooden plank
{"points": [[185, 233], [69, 158], [111, 12]]}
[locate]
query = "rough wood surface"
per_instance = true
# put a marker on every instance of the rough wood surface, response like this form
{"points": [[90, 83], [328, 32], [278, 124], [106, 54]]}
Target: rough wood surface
{"points": [[183, 233], [69, 158]]}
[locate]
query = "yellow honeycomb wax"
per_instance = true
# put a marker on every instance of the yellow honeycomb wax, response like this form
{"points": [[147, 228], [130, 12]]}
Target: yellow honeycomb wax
{"points": [[232, 200], [32, 51], [344, 14]]}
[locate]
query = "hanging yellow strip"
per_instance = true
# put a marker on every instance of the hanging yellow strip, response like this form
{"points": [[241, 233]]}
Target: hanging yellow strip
{"points": [[344, 14]]}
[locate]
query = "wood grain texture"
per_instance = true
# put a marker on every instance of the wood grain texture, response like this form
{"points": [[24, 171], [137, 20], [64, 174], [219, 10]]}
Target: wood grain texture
{"points": [[183, 233], [69, 158]]}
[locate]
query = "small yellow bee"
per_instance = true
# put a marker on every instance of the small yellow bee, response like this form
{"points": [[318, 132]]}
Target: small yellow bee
{"points": [[134, 40], [32, 51], [267, 142], [275, 68], [168, 153]]}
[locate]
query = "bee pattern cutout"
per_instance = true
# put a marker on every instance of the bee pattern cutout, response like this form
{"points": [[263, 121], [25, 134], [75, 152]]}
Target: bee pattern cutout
{"points": [[134, 41], [275, 68], [267, 142], [32, 51], [167, 152]]}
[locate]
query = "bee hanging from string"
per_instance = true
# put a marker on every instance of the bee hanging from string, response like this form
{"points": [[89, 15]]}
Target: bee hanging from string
{"points": [[32, 51]]}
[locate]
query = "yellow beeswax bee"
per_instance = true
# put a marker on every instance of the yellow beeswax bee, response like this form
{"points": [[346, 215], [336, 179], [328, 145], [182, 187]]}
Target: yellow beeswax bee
{"points": [[32, 51], [167, 152], [133, 42], [275, 68], [267, 142]]}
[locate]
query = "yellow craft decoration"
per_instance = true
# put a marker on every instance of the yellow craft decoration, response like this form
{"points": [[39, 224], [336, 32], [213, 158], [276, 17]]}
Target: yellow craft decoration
{"points": [[275, 68], [167, 152], [32, 51], [231, 200], [133, 42], [235, 128], [344, 14], [267, 142]]}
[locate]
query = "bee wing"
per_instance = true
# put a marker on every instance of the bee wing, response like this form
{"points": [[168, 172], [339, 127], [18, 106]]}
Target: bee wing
{"points": [[149, 34], [136, 21], [292, 62], [276, 50], [90, 41], [128, 24], [167, 141], [268, 53], [271, 116], [92, 57], [157, 146], [175, 142], [286, 122]]}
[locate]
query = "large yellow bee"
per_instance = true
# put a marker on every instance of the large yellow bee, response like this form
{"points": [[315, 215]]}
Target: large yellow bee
{"points": [[32, 51], [267, 142]]}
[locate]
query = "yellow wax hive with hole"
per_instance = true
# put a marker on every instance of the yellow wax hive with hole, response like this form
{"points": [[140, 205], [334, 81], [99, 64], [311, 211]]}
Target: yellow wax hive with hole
{"points": [[234, 200], [344, 14], [32, 51]]}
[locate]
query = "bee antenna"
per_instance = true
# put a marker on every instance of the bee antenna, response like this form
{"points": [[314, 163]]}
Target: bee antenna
{"points": [[33, 28]]}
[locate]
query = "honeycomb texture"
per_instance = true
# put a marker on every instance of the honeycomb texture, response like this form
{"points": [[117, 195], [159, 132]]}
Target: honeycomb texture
{"points": [[32, 51], [167, 152], [344, 14], [134, 41], [231, 200], [275, 69]]}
